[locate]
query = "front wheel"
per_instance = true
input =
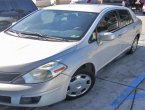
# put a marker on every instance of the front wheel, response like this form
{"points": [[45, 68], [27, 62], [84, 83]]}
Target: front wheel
{"points": [[134, 46], [80, 83]]}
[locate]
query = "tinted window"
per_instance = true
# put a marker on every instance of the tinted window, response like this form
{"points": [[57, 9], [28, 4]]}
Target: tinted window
{"points": [[108, 23], [27, 5], [4, 5], [125, 18]]}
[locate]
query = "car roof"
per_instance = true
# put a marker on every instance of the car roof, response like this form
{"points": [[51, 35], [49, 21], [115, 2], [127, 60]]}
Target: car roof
{"points": [[96, 8]]}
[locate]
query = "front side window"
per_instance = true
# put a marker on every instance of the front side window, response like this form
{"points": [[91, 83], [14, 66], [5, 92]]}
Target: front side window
{"points": [[125, 18], [57, 23], [109, 23]]}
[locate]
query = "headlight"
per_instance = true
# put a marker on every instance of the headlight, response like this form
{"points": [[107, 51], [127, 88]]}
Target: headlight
{"points": [[43, 73]]}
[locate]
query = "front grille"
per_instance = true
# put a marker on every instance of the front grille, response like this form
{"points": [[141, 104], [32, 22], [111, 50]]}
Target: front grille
{"points": [[5, 99], [7, 77], [30, 100]]}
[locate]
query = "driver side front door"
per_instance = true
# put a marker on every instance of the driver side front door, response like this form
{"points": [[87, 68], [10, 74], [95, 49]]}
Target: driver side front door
{"points": [[106, 51]]}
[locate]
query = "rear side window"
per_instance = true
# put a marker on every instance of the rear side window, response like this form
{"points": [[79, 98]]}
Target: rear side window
{"points": [[108, 23], [125, 18], [4, 5], [26, 5]]}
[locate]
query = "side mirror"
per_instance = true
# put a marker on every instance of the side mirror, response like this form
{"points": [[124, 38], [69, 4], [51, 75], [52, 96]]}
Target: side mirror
{"points": [[106, 36]]}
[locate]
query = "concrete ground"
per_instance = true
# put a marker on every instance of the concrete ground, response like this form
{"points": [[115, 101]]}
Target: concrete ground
{"points": [[119, 86]]}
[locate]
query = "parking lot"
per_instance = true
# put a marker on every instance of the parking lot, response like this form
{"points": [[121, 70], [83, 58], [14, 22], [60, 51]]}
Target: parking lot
{"points": [[119, 86]]}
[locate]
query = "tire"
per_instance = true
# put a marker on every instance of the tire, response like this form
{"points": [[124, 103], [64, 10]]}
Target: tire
{"points": [[134, 46], [80, 84]]}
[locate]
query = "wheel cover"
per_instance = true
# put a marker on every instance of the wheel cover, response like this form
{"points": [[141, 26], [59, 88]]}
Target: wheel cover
{"points": [[79, 85], [134, 46]]}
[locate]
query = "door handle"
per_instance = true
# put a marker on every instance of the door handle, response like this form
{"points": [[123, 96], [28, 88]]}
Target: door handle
{"points": [[124, 32]]}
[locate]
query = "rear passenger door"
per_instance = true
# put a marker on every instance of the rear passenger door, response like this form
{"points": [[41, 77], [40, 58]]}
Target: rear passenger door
{"points": [[127, 31]]}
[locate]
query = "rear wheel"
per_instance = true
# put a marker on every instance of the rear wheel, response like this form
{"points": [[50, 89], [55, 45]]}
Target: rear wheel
{"points": [[134, 45], [80, 83]]}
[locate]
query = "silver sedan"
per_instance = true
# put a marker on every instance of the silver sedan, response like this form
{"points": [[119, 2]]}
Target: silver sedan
{"points": [[55, 53]]}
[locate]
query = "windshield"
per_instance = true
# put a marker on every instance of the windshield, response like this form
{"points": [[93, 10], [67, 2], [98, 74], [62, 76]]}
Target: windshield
{"points": [[56, 23]]}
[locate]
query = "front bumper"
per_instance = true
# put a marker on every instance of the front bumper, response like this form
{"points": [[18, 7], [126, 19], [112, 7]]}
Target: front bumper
{"points": [[49, 92]]}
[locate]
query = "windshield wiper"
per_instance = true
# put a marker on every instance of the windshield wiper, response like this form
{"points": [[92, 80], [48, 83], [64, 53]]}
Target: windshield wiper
{"points": [[24, 34], [12, 31], [30, 35], [46, 37], [42, 37], [34, 35], [38, 36]]}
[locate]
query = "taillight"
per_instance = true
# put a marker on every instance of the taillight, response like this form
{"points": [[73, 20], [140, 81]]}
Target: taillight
{"points": [[144, 4]]}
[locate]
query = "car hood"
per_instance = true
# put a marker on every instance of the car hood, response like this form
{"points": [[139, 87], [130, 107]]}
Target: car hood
{"points": [[21, 54]]}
